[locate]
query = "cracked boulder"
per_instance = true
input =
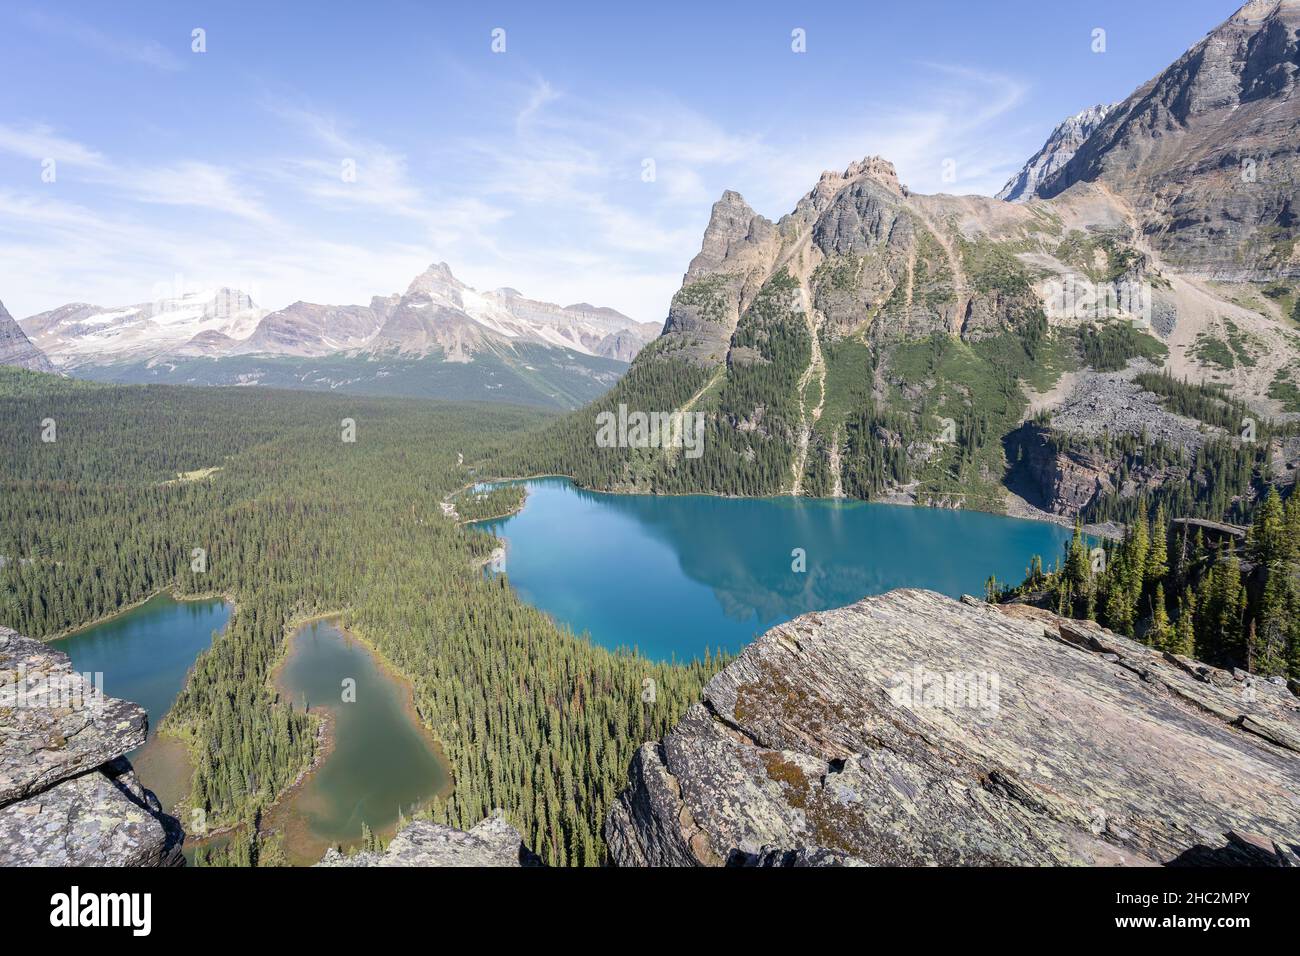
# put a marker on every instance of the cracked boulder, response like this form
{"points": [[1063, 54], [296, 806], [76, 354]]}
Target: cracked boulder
{"points": [[912, 729], [68, 796]]}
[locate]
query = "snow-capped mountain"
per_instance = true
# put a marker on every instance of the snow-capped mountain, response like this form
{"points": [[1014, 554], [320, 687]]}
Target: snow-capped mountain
{"points": [[437, 313], [1059, 149], [209, 322], [440, 310]]}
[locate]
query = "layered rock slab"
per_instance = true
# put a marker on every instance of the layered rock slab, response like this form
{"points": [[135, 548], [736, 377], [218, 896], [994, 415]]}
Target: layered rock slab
{"points": [[837, 739]]}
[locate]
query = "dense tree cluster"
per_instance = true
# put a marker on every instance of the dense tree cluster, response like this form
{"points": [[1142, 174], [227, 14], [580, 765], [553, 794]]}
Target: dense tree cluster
{"points": [[1231, 603]]}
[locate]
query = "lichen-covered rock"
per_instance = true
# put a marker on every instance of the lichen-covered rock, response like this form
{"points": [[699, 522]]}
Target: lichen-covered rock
{"points": [[102, 818], [68, 797], [55, 723], [493, 842], [914, 729]]}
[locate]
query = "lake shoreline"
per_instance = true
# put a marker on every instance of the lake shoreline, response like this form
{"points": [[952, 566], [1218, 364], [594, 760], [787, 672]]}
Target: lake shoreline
{"points": [[1021, 509], [170, 591], [278, 815], [671, 576]]}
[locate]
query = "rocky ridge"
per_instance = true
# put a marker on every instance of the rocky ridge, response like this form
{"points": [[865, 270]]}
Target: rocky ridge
{"points": [[1206, 153], [912, 729], [68, 796], [437, 312]]}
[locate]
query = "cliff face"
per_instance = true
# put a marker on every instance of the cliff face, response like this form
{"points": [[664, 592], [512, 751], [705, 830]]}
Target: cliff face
{"points": [[493, 842], [916, 730], [68, 796], [1206, 153]]}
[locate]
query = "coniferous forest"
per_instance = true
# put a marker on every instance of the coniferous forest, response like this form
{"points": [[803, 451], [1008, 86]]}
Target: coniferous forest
{"points": [[290, 519]]}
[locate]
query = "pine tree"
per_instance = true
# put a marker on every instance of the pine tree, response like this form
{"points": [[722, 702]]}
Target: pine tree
{"points": [[1185, 632], [1157, 565], [1161, 634]]}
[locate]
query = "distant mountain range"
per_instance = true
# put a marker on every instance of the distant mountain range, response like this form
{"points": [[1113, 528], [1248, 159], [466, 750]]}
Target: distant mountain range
{"points": [[507, 346]]}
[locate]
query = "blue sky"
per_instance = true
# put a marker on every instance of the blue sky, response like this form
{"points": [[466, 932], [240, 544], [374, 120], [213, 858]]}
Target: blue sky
{"points": [[521, 168]]}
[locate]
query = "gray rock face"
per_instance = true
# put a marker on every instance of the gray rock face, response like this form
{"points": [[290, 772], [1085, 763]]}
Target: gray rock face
{"points": [[16, 349], [1206, 153], [913, 729], [67, 795], [493, 842], [305, 328], [1059, 149]]}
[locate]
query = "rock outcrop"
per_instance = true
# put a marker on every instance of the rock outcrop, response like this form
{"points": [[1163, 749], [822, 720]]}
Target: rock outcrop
{"points": [[68, 796], [17, 349], [913, 729], [493, 842]]}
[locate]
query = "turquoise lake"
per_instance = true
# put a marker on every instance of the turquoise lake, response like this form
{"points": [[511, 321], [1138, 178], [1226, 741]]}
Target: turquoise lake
{"points": [[672, 576], [145, 653]]}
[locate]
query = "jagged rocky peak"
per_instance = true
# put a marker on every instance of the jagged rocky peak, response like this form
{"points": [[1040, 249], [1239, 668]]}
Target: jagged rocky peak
{"points": [[871, 167], [493, 842], [731, 223], [68, 796], [437, 280], [912, 729], [17, 349], [1059, 149]]}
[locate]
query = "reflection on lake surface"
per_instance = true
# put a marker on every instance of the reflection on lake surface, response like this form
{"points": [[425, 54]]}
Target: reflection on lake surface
{"points": [[674, 575]]}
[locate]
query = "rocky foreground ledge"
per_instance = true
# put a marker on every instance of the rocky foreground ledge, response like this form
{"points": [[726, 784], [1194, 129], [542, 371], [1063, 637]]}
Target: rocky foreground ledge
{"points": [[912, 729], [68, 796], [493, 842]]}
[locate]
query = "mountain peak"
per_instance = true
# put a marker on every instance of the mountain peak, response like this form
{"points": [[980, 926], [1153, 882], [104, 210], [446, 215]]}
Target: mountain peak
{"points": [[436, 278], [16, 348], [1058, 150], [1255, 11], [876, 168]]}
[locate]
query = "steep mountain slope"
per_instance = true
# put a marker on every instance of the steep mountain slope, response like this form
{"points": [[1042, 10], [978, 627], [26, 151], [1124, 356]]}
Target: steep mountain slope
{"points": [[1207, 153], [16, 349], [1059, 149]]}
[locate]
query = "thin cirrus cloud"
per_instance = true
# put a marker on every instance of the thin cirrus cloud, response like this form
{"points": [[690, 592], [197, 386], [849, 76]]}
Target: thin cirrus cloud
{"points": [[117, 47]]}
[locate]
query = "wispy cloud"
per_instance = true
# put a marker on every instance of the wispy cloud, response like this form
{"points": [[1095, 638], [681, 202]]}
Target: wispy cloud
{"points": [[40, 142], [119, 48]]}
